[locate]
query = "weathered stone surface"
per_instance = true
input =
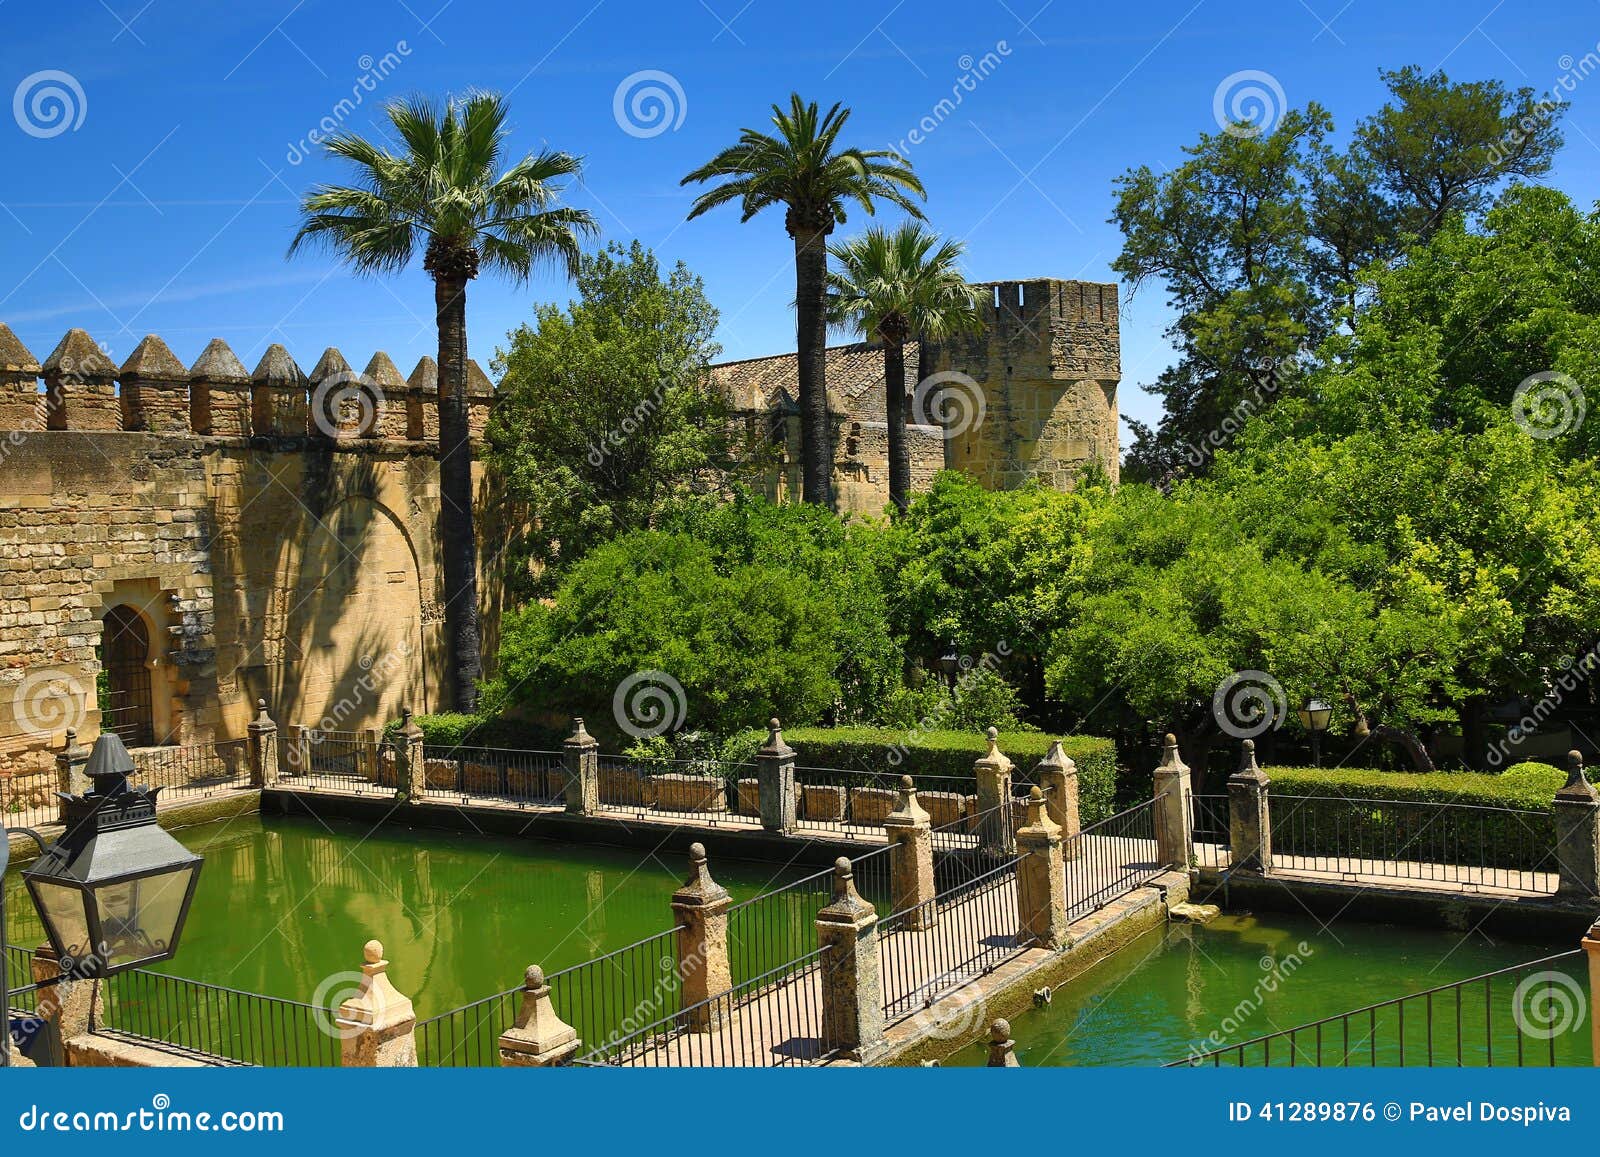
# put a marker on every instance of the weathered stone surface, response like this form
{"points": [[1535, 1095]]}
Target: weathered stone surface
{"points": [[869, 806], [679, 792], [700, 914], [824, 803], [1250, 824], [377, 1025], [538, 1038], [909, 830], [1193, 913], [852, 971], [1577, 820], [15, 357], [776, 781]]}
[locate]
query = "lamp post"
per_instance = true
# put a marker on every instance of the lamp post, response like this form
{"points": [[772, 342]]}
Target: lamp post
{"points": [[114, 892], [1314, 717], [950, 662]]}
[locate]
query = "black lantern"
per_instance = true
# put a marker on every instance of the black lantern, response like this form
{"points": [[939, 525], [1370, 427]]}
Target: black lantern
{"points": [[950, 661], [115, 891], [1315, 717]]}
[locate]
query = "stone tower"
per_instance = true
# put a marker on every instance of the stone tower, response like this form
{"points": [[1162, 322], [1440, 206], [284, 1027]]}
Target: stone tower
{"points": [[1046, 365]]}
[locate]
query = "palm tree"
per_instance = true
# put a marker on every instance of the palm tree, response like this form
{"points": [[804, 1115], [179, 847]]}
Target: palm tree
{"points": [[893, 286], [445, 187], [803, 168]]}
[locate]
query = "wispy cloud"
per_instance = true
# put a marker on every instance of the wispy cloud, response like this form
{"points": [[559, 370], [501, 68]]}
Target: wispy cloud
{"points": [[169, 296]]}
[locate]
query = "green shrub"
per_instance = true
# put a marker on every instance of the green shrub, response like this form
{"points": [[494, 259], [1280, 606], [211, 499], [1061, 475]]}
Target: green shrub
{"points": [[1526, 785], [455, 729], [952, 753]]}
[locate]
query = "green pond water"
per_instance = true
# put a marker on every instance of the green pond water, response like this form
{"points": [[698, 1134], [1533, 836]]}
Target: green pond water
{"points": [[1242, 977]]}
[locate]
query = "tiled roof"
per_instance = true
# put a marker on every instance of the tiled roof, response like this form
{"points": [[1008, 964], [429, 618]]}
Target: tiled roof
{"points": [[855, 380]]}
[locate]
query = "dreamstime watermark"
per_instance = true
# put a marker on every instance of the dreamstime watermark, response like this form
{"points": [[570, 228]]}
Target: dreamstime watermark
{"points": [[346, 405], [950, 400], [974, 71], [1548, 1004], [648, 103], [330, 996], [970, 668], [1274, 971], [1574, 71], [1265, 384], [614, 439], [1549, 404], [1249, 103], [1248, 703], [377, 671], [955, 1016], [50, 700], [48, 103], [649, 703], [1569, 680], [373, 73]]}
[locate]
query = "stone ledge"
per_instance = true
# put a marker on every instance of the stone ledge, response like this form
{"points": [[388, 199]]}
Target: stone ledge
{"points": [[99, 1051]]}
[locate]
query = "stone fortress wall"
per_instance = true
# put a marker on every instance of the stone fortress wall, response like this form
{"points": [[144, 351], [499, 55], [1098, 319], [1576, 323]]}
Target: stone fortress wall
{"points": [[265, 534]]}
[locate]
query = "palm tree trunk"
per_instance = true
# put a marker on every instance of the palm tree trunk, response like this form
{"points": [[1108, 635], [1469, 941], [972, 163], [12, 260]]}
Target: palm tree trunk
{"points": [[811, 331], [894, 404], [459, 543]]}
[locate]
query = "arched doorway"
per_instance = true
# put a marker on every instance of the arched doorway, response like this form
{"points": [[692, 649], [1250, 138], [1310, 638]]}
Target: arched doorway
{"points": [[127, 705]]}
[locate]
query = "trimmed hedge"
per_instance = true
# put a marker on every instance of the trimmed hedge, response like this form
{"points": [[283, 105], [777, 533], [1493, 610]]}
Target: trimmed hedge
{"points": [[1525, 785], [454, 729], [952, 753]]}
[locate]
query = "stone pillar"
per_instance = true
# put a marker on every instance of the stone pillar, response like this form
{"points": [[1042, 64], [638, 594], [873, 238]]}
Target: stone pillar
{"points": [[1174, 808], [80, 389], [371, 752], [1577, 809], [155, 389], [68, 1008], [910, 831], [1002, 1049], [1250, 817], [700, 912], [852, 971], [538, 1038], [297, 751], [995, 833], [219, 393], [21, 405], [775, 781], [278, 396], [71, 777], [263, 745], [1591, 947], [1057, 777], [1041, 877], [377, 1026], [582, 756], [410, 768]]}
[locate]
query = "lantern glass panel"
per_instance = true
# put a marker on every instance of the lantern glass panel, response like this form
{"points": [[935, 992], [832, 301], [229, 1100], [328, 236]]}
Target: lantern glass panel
{"points": [[62, 909], [139, 916]]}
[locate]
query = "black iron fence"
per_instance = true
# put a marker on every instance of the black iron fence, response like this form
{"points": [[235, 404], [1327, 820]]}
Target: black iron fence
{"points": [[1464, 845], [1209, 831], [363, 762], [710, 792], [199, 769], [1107, 860], [1528, 1015], [504, 775]]}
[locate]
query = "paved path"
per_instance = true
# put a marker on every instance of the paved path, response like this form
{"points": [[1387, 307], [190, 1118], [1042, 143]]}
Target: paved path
{"points": [[1416, 875]]}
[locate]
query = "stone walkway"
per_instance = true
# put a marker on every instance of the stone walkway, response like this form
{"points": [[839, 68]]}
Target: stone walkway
{"points": [[1416, 875]]}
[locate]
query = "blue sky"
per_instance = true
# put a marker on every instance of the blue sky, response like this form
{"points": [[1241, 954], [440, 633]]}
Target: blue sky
{"points": [[165, 200]]}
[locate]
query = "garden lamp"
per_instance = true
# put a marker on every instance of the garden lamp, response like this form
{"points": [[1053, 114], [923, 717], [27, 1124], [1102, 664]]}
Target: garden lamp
{"points": [[1315, 717]]}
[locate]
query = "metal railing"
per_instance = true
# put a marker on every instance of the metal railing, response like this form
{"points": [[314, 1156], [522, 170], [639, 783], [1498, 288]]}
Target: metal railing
{"points": [[199, 769], [212, 1021], [1466, 845], [710, 792], [1527, 1015], [1210, 834], [363, 762], [852, 801], [524, 778], [29, 801], [1107, 860]]}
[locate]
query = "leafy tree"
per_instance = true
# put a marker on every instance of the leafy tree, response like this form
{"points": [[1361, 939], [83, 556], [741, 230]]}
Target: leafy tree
{"points": [[893, 286], [445, 189], [804, 168], [605, 410]]}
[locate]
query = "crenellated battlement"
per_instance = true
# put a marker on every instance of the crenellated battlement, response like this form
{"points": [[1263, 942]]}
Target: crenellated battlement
{"points": [[152, 392]]}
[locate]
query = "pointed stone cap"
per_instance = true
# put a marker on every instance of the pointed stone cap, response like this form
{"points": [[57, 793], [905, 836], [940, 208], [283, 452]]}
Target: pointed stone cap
{"points": [[847, 906], [1056, 760], [218, 363], [1249, 771], [262, 721], [538, 1031], [1002, 1049], [700, 890], [14, 356], [383, 373], [152, 361], [478, 383], [909, 813], [277, 368], [1171, 762], [408, 725], [331, 364], [994, 757], [580, 737], [376, 1005], [425, 376], [775, 747], [1577, 788], [77, 355]]}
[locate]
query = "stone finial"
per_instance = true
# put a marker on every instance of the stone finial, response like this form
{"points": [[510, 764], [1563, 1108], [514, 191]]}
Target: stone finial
{"points": [[1248, 768], [580, 737], [277, 368], [1577, 786], [330, 365], [537, 1037], [479, 384], [699, 890], [76, 355], [1002, 1049], [14, 356], [1056, 759], [218, 363], [408, 724], [847, 905], [909, 812], [1037, 818], [994, 757], [425, 376], [384, 374], [262, 719], [1171, 761], [377, 1005], [152, 361], [775, 745]]}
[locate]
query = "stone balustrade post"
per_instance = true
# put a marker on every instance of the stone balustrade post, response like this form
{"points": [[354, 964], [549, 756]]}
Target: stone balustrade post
{"points": [[263, 747], [71, 777], [1002, 1049], [581, 756], [1174, 808], [1249, 814], [538, 1038], [910, 832], [775, 782], [68, 1008], [700, 912], [1057, 777], [377, 1026], [1591, 948], [1041, 877], [993, 770], [411, 765], [1577, 814], [852, 971], [297, 750]]}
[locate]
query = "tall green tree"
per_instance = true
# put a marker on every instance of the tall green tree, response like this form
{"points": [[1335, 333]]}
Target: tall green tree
{"points": [[802, 166], [894, 285], [444, 190], [606, 409]]}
